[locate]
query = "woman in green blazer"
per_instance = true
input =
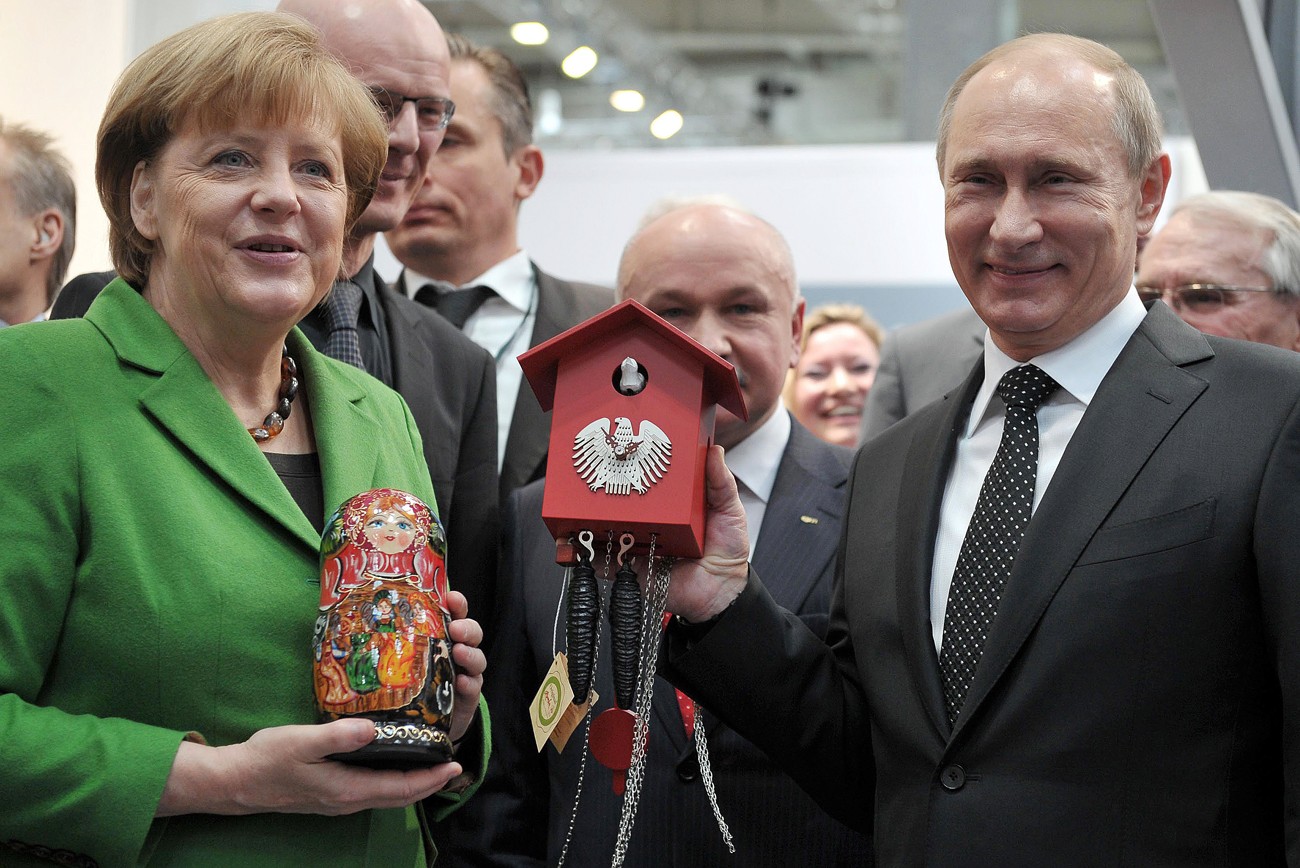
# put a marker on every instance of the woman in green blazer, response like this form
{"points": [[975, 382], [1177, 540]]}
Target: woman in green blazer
{"points": [[157, 576]]}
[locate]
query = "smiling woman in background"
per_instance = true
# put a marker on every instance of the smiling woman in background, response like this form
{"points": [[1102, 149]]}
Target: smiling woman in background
{"points": [[827, 389], [170, 463]]}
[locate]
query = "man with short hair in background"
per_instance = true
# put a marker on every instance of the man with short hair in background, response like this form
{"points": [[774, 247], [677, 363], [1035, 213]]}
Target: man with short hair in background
{"points": [[725, 278], [459, 243], [1228, 263], [38, 212]]}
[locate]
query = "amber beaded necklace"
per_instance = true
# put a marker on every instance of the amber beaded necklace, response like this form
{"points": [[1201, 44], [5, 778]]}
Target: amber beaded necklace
{"points": [[273, 424]]}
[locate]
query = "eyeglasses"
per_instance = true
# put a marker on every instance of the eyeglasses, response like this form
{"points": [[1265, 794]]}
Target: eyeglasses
{"points": [[1202, 298], [432, 113]]}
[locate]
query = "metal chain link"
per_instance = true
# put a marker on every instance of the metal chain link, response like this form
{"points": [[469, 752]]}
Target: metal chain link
{"points": [[706, 775], [586, 739], [559, 607], [651, 631]]}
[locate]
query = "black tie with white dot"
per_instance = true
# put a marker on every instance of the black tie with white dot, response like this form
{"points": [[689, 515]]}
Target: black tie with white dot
{"points": [[993, 537]]}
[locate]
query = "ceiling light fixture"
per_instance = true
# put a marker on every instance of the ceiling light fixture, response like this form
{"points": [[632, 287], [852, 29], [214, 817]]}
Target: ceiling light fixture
{"points": [[529, 33], [580, 62], [666, 125], [627, 100]]}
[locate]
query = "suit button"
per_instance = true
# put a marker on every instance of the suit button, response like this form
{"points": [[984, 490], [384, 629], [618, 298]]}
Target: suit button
{"points": [[689, 768], [953, 777]]}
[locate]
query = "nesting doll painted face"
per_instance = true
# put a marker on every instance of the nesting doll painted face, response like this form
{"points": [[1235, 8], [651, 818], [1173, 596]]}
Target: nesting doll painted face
{"points": [[390, 531], [383, 651]]}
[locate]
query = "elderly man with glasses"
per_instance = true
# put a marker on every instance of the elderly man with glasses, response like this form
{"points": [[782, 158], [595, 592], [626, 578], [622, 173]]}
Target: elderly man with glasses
{"points": [[1229, 264]]}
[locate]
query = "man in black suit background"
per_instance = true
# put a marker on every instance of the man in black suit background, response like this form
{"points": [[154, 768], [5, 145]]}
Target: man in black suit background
{"points": [[725, 278], [397, 49], [1112, 681], [460, 246]]}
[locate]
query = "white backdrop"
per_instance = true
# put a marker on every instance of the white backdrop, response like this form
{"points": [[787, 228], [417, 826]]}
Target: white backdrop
{"points": [[865, 222]]}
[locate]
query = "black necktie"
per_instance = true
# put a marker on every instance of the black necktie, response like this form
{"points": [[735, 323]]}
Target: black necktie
{"points": [[342, 307], [993, 537], [457, 305]]}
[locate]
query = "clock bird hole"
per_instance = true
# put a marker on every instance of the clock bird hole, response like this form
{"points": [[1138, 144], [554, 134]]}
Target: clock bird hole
{"points": [[630, 377]]}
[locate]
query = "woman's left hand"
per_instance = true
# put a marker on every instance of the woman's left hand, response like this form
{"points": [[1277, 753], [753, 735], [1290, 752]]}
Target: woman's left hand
{"points": [[470, 663]]}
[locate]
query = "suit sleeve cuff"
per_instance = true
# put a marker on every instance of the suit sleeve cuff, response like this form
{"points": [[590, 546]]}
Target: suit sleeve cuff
{"points": [[472, 752]]}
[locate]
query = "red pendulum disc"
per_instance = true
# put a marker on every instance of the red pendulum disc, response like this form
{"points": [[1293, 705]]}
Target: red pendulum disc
{"points": [[611, 743]]}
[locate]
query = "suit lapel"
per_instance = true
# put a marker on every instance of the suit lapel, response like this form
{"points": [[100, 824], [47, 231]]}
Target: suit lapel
{"points": [[530, 428], [801, 525], [920, 497], [1139, 401], [413, 362]]}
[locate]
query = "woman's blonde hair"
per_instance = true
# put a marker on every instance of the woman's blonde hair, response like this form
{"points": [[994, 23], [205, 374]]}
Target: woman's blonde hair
{"points": [[831, 314], [253, 67]]}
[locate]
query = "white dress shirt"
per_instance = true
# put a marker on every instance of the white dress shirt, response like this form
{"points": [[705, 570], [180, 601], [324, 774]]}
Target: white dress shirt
{"points": [[503, 326], [1078, 367], [754, 462]]}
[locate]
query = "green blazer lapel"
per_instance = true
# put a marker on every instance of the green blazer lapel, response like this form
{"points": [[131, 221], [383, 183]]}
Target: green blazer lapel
{"points": [[187, 404], [344, 424], [1142, 397]]}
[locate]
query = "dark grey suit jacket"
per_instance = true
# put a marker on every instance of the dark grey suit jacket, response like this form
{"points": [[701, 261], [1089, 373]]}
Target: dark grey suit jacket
{"points": [[561, 304], [920, 363], [521, 814], [449, 383], [1137, 699]]}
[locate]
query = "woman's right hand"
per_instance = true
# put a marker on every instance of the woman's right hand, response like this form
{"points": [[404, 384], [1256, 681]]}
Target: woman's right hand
{"points": [[284, 769]]}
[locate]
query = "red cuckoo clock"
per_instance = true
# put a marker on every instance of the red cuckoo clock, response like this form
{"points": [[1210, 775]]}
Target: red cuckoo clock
{"points": [[632, 400]]}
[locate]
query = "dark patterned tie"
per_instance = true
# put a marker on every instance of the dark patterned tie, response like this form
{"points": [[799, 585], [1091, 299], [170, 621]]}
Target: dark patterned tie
{"points": [[342, 307], [993, 537], [456, 305]]}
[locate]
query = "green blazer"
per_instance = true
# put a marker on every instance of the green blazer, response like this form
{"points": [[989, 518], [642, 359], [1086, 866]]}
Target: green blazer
{"points": [[157, 579]]}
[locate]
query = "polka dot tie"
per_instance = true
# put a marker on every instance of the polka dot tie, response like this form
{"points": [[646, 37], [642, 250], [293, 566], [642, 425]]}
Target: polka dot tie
{"points": [[993, 537], [342, 307]]}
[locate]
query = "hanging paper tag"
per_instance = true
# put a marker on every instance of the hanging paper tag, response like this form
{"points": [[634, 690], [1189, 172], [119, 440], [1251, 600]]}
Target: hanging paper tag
{"points": [[553, 697], [573, 716]]}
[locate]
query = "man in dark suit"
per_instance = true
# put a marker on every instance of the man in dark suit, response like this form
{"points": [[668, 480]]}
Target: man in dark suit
{"points": [[397, 49], [460, 246], [1111, 681], [725, 278], [920, 363]]}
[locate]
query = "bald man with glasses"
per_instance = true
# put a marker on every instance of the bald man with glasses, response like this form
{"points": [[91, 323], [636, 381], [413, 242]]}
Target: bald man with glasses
{"points": [[1229, 264]]}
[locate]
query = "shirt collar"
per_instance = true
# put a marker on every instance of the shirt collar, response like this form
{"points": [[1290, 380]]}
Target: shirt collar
{"points": [[1079, 366], [511, 279], [755, 460], [40, 317]]}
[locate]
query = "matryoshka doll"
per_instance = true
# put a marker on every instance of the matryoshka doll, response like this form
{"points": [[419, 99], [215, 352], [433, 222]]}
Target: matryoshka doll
{"points": [[381, 645]]}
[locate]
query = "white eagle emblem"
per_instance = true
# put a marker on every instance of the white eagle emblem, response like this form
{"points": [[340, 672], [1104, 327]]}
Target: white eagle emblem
{"points": [[619, 462]]}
